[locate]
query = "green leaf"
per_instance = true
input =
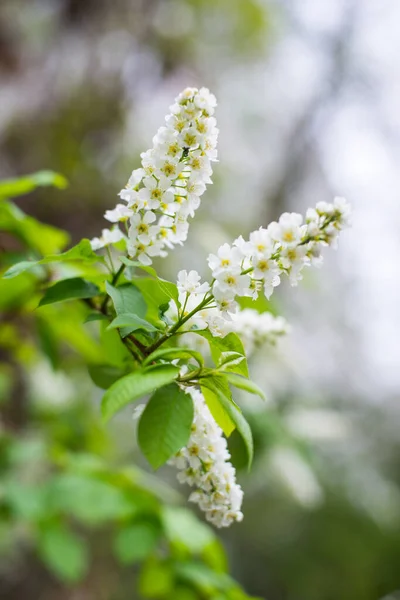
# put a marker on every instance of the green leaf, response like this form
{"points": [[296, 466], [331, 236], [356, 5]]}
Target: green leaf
{"points": [[132, 322], [229, 359], [182, 527], [81, 252], [245, 384], [156, 579], [127, 299], [156, 294], [217, 385], [169, 288], [63, 552], [134, 386], [229, 343], [10, 188], [114, 349], [174, 353], [217, 410], [105, 375], [37, 236], [75, 287], [165, 425], [136, 542]]}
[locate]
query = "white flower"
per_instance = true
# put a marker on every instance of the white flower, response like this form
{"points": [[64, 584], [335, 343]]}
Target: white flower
{"points": [[265, 268], [294, 259], [108, 236], [135, 178], [261, 243], [203, 464], [201, 166], [232, 284], [190, 283], [189, 137], [246, 248], [225, 301], [120, 213], [148, 162], [289, 230], [143, 252], [141, 228], [228, 259], [169, 168], [156, 192], [325, 209], [206, 101], [342, 211]]}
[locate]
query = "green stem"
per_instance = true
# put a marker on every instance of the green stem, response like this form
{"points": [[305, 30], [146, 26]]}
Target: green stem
{"points": [[179, 324], [133, 351], [192, 375], [138, 344]]}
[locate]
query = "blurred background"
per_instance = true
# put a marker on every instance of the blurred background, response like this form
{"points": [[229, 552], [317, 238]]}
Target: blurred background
{"points": [[308, 108]]}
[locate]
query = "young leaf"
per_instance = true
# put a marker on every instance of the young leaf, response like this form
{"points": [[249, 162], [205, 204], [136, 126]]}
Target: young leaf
{"points": [[245, 384], [10, 188], [127, 299], [64, 553], [229, 343], [165, 425], [173, 353], [218, 386], [229, 359], [81, 252], [134, 386], [132, 322], [69, 288]]}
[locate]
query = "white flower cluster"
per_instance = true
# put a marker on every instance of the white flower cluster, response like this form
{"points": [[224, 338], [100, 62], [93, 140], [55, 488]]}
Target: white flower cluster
{"points": [[256, 329], [286, 246], [166, 190], [204, 464], [245, 268]]}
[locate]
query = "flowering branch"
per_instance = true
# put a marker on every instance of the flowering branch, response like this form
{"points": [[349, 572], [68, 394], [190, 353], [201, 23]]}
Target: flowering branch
{"points": [[192, 409]]}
